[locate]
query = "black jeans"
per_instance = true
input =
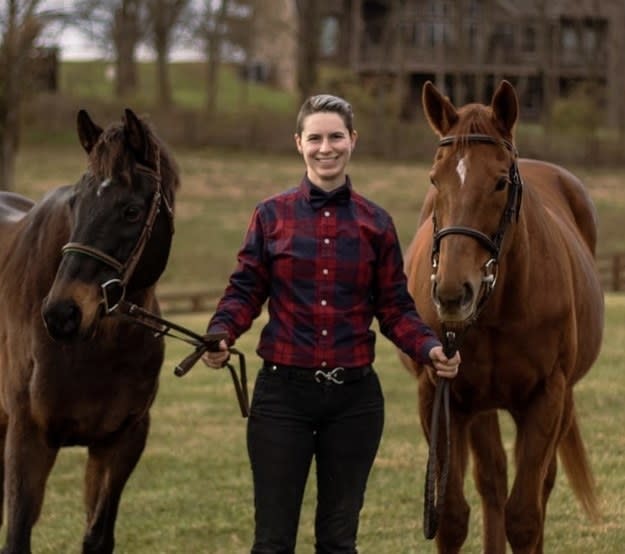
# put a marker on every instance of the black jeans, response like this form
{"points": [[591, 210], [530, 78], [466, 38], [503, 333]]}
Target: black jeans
{"points": [[291, 422]]}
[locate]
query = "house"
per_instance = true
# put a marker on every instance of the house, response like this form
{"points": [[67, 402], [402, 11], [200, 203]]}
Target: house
{"points": [[544, 47]]}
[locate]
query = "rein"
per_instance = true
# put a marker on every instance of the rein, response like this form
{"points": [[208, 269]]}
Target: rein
{"points": [[435, 490], [202, 343]]}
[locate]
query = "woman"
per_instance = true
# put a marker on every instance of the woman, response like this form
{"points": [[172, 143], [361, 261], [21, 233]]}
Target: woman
{"points": [[328, 260]]}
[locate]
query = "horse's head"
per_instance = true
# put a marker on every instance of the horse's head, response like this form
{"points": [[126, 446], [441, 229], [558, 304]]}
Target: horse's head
{"points": [[122, 225], [476, 198]]}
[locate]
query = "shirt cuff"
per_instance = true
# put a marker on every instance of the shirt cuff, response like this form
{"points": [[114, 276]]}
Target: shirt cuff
{"points": [[217, 328], [424, 351]]}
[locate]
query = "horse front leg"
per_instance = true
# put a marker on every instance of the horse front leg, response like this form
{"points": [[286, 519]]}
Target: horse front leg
{"points": [[491, 478], [108, 468], [453, 521], [538, 432], [27, 463]]}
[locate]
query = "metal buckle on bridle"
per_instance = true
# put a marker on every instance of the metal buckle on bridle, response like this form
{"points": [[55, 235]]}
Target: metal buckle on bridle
{"points": [[109, 304], [330, 376], [490, 269]]}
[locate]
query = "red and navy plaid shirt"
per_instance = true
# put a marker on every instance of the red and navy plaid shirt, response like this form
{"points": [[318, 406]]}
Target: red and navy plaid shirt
{"points": [[327, 271]]}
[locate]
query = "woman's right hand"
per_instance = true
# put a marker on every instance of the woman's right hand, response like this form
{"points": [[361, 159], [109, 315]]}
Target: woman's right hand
{"points": [[217, 358], [444, 366]]}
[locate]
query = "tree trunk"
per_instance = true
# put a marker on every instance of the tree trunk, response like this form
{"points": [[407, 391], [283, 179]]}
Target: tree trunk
{"points": [[20, 32], [8, 153], [213, 54], [162, 74], [125, 38], [308, 46]]}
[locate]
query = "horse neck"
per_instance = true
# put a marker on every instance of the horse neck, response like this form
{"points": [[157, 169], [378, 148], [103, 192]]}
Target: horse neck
{"points": [[31, 260], [515, 265]]}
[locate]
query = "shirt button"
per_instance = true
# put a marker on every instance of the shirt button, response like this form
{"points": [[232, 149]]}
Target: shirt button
{"points": [[326, 213], [323, 364], [324, 332], [324, 302], [325, 271], [326, 241]]}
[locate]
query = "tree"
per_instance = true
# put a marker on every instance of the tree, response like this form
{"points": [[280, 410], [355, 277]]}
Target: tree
{"points": [[163, 18], [211, 30], [118, 25], [21, 23], [309, 32]]}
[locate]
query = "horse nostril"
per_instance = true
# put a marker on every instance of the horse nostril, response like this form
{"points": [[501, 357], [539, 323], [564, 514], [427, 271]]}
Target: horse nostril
{"points": [[62, 320], [468, 294], [454, 299]]}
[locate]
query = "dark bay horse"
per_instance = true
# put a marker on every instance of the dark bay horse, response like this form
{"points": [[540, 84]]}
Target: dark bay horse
{"points": [[504, 258], [69, 373]]}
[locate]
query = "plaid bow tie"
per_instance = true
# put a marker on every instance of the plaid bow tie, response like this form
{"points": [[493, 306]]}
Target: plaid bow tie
{"points": [[319, 198]]}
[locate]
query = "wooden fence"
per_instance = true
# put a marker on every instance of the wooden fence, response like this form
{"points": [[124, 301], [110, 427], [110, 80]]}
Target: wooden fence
{"points": [[197, 299], [188, 300], [612, 271]]}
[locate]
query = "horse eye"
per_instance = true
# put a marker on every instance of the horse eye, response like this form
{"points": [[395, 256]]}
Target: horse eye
{"points": [[132, 214], [501, 184]]}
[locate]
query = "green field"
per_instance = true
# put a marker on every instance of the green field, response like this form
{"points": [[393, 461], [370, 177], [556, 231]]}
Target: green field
{"points": [[88, 80], [192, 489]]}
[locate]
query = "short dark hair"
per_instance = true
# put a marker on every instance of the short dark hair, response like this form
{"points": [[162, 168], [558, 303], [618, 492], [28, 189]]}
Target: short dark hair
{"points": [[325, 103]]}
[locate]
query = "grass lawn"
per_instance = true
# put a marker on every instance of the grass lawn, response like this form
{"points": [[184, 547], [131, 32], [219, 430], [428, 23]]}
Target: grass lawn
{"points": [[192, 489]]}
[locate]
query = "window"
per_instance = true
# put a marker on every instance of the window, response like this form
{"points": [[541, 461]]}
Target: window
{"points": [[528, 39], [329, 43]]}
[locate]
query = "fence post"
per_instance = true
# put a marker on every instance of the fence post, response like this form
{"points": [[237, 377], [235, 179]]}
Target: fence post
{"points": [[616, 272]]}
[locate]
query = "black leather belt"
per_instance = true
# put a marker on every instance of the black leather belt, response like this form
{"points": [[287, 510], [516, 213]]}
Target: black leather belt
{"points": [[338, 375]]}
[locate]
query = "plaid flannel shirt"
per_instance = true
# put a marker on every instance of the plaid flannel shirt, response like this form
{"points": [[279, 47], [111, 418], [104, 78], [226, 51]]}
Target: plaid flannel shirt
{"points": [[326, 272]]}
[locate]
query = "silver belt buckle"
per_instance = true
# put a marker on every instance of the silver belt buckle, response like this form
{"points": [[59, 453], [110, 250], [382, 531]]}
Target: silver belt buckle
{"points": [[330, 376]]}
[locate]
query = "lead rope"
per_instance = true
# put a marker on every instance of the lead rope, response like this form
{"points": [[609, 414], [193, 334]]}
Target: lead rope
{"points": [[435, 491], [163, 327]]}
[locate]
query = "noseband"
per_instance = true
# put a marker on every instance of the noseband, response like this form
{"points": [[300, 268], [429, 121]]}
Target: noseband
{"points": [[511, 211], [114, 290]]}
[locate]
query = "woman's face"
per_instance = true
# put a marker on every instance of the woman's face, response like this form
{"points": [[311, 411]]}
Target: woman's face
{"points": [[326, 145]]}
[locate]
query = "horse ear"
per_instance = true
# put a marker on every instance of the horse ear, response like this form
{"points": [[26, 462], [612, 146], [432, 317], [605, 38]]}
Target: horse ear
{"points": [[505, 106], [88, 131], [439, 111], [137, 136]]}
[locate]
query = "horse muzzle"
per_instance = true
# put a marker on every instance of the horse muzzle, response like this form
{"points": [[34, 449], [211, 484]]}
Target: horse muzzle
{"points": [[73, 315], [454, 303]]}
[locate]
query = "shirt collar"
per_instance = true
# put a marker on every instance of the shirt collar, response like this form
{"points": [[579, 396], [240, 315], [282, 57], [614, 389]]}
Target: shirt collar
{"points": [[317, 197]]}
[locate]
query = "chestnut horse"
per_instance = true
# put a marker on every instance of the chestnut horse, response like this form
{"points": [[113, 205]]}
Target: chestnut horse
{"points": [[504, 258], [70, 373]]}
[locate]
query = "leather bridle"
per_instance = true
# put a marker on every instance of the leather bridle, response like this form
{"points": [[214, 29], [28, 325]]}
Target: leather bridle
{"points": [[114, 290], [490, 243]]}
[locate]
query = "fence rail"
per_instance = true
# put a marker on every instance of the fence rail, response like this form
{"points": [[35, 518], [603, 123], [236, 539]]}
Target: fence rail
{"points": [[612, 271], [196, 299], [188, 300]]}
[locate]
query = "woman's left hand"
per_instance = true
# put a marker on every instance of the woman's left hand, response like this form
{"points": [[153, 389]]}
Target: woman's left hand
{"points": [[444, 366]]}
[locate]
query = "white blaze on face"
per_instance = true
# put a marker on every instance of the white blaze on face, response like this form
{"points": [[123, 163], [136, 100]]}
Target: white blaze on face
{"points": [[103, 185], [461, 169]]}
